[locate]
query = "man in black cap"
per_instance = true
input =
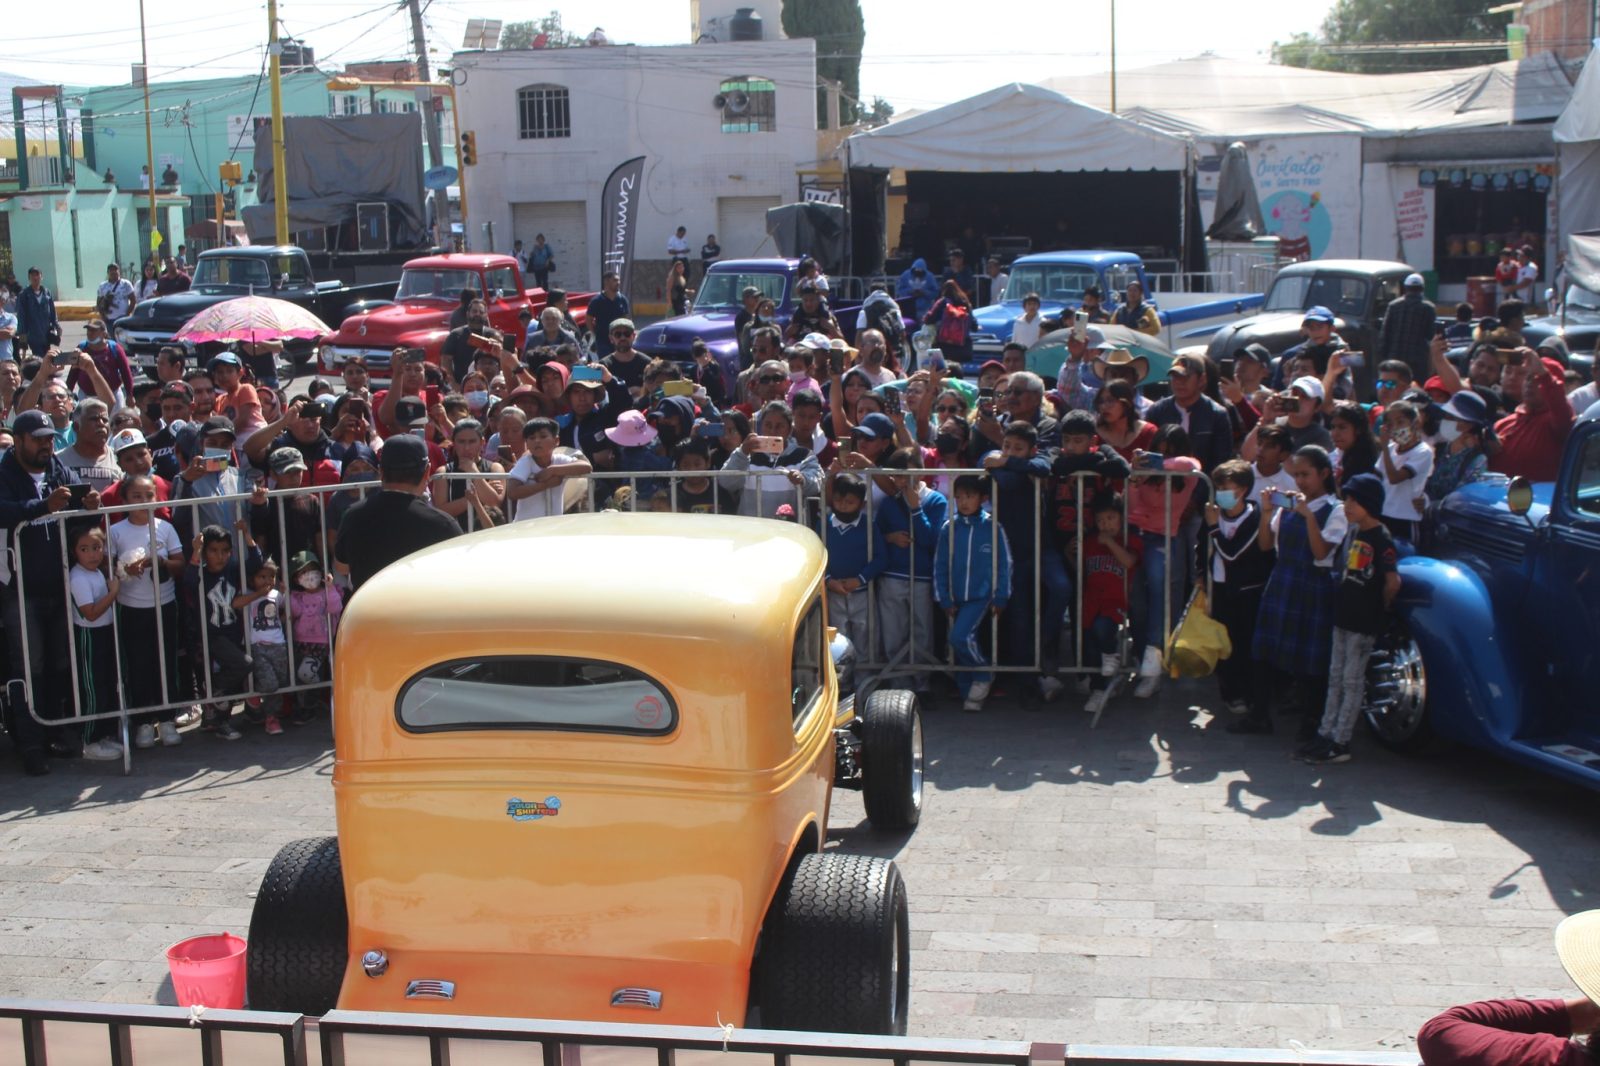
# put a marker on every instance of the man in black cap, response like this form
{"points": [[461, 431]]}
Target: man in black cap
{"points": [[33, 484], [396, 520]]}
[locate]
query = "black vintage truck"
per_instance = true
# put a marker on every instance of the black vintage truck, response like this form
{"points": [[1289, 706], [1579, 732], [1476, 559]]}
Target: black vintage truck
{"points": [[282, 272]]}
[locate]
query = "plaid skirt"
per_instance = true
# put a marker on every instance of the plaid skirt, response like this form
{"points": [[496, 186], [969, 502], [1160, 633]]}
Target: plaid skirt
{"points": [[1294, 631]]}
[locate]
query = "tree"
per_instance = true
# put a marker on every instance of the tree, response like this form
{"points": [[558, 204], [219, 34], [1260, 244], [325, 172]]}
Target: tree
{"points": [[878, 114], [516, 35], [1363, 22], [840, 31]]}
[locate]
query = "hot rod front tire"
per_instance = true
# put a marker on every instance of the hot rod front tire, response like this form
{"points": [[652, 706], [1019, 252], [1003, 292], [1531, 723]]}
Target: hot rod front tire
{"points": [[1395, 705], [836, 952], [891, 760], [299, 931]]}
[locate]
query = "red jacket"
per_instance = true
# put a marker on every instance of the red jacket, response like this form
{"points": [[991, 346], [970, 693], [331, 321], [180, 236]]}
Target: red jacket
{"points": [[1502, 1032], [1532, 442]]}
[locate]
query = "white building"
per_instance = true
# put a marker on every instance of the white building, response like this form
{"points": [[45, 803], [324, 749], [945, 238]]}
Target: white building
{"points": [[725, 128]]}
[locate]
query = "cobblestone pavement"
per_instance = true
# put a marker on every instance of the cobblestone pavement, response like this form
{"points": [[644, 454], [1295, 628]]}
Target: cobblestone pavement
{"points": [[1153, 881]]}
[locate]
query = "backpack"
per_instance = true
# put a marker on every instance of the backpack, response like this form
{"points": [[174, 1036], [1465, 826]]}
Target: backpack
{"points": [[952, 326], [885, 318]]}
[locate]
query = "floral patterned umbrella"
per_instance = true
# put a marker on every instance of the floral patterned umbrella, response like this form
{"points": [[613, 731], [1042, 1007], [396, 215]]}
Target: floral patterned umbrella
{"points": [[252, 318]]}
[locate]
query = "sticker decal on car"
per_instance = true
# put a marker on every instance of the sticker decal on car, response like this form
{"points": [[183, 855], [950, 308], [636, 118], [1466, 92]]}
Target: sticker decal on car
{"points": [[520, 810]]}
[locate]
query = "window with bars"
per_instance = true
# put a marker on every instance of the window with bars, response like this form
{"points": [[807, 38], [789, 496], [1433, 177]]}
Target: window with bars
{"points": [[543, 111], [749, 105]]}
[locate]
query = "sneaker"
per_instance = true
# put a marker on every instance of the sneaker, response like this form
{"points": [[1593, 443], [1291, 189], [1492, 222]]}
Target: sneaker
{"points": [[302, 715], [1083, 684], [189, 717], [224, 729], [1150, 666], [102, 750], [170, 737], [1050, 688], [1110, 663], [145, 736], [274, 727], [1329, 752], [1147, 686], [1238, 707], [972, 706], [1097, 701], [1251, 726], [1315, 744], [979, 691]]}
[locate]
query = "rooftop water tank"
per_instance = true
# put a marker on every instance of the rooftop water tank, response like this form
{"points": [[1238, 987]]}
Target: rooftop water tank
{"points": [[745, 25]]}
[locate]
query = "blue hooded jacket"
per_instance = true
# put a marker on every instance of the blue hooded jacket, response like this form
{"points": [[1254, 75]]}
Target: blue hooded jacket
{"points": [[965, 567], [925, 289]]}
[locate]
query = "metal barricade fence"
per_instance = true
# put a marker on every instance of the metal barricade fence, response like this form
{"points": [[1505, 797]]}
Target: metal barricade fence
{"points": [[914, 636], [311, 505]]}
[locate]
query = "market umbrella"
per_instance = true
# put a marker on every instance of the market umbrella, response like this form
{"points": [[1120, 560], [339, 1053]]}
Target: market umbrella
{"points": [[254, 319], [1050, 350]]}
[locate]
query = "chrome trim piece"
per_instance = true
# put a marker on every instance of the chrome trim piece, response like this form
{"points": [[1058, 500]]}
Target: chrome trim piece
{"points": [[642, 998], [375, 963], [430, 989]]}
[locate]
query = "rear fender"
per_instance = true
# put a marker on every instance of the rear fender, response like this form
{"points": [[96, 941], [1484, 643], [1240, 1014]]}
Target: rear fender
{"points": [[1474, 689]]}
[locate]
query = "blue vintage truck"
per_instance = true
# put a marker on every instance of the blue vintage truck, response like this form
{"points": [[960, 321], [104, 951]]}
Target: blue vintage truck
{"points": [[1498, 643], [1060, 278]]}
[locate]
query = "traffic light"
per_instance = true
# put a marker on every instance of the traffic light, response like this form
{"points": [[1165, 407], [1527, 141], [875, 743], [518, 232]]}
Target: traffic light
{"points": [[469, 149]]}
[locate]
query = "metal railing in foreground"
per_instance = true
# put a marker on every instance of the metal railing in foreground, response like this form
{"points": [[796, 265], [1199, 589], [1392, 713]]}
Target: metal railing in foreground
{"points": [[57, 1031]]}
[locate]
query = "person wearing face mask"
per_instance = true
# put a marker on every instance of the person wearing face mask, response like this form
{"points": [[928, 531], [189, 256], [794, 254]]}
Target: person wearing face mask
{"points": [[314, 609], [1239, 572], [1462, 455], [917, 283], [801, 357]]}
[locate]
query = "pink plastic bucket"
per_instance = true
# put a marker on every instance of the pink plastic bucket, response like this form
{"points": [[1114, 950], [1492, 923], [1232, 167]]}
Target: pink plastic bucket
{"points": [[208, 971]]}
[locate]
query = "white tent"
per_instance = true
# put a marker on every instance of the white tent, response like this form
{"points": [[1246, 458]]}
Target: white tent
{"points": [[1577, 135], [1016, 129]]}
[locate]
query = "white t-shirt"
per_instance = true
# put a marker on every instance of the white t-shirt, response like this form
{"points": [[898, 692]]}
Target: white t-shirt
{"points": [[540, 504], [677, 245], [1398, 495], [997, 287], [1333, 530], [1282, 481], [122, 296], [265, 619], [88, 586], [129, 544], [1584, 397], [1025, 332]]}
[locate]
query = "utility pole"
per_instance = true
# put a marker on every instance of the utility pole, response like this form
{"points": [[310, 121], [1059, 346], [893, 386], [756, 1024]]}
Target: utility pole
{"points": [[1113, 107], [441, 197], [149, 142], [280, 179]]}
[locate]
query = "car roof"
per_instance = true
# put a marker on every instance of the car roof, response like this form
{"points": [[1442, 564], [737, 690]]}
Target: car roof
{"points": [[1346, 266], [1090, 257], [688, 574], [730, 265], [252, 251], [459, 261]]}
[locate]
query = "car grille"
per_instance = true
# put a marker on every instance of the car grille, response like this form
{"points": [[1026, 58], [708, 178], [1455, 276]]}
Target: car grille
{"points": [[377, 358], [1489, 540]]}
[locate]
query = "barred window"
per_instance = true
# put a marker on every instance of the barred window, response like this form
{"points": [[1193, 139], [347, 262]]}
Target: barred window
{"points": [[749, 105], [543, 111]]}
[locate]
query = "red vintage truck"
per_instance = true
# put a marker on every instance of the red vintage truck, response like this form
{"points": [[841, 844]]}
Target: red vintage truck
{"points": [[429, 292]]}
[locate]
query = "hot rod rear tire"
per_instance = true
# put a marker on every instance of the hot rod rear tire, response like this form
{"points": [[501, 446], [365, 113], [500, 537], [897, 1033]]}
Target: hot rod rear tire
{"points": [[299, 931], [836, 951], [1395, 704], [891, 760]]}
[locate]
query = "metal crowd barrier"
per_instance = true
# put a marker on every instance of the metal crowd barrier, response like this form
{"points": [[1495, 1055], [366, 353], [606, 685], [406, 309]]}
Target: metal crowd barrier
{"points": [[66, 1032], [167, 644]]}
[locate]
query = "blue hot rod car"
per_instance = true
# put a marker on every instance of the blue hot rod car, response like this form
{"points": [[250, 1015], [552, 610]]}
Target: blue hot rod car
{"points": [[1498, 644]]}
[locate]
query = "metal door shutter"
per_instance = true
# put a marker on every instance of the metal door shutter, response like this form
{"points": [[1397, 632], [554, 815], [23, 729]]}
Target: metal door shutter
{"points": [[742, 226], [565, 225]]}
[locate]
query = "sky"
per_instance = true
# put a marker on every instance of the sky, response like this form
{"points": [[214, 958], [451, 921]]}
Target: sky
{"points": [[917, 55]]}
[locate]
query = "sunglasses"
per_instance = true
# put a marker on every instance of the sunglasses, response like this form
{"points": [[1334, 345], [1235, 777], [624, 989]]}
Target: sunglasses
{"points": [[1387, 384], [948, 409], [770, 379], [622, 333]]}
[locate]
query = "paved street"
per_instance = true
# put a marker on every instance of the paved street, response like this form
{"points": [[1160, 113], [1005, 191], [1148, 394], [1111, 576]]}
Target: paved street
{"points": [[1155, 881]]}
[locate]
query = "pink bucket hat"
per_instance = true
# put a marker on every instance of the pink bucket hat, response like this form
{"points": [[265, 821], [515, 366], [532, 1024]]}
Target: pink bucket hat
{"points": [[632, 430]]}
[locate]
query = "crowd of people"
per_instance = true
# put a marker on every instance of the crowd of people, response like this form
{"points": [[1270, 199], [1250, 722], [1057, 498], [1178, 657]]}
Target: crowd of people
{"points": [[1006, 518]]}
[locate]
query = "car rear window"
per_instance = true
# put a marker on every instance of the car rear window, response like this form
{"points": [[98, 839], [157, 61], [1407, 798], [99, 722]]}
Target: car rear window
{"points": [[535, 692]]}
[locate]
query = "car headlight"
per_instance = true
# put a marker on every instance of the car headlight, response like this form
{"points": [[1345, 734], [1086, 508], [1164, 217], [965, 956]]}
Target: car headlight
{"points": [[121, 335]]}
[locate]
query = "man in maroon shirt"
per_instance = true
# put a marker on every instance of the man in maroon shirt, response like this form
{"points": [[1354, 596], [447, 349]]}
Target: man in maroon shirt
{"points": [[1522, 1032], [1534, 435]]}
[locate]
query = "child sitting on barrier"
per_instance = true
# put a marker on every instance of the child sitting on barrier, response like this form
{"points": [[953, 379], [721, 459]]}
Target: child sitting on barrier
{"points": [[314, 610], [856, 556], [1109, 558], [971, 580], [212, 583], [269, 650], [93, 639]]}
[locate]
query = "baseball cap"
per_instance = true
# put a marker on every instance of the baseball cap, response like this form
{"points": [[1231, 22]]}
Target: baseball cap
{"points": [[994, 364], [1094, 338], [1318, 314], [224, 359], [1413, 281], [876, 426], [33, 424], [410, 412], [1435, 384], [1366, 490], [124, 439], [1257, 352], [621, 323], [816, 341], [218, 424], [403, 457], [1310, 386], [282, 460], [177, 390]]}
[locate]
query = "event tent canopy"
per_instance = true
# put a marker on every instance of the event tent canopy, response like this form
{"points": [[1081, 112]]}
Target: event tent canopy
{"points": [[1577, 136], [1017, 129]]}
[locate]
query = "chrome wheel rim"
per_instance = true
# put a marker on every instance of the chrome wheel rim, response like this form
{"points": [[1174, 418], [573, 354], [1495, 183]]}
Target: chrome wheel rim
{"points": [[916, 760], [1397, 691]]}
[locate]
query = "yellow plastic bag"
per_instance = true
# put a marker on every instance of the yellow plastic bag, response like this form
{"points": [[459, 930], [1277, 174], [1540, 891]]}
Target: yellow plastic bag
{"points": [[1198, 641]]}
